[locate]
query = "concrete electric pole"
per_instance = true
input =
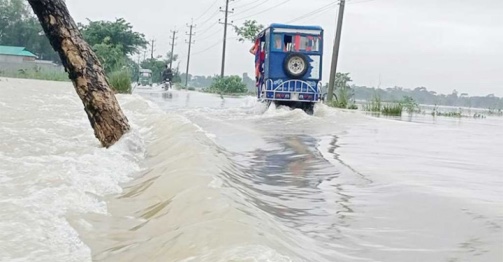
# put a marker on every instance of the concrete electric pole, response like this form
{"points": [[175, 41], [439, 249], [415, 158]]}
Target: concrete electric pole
{"points": [[225, 23], [190, 42], [173, 39], [335, 55]]}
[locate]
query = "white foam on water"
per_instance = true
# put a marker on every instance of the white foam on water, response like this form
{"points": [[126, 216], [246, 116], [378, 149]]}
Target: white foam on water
{"points": [[51, 165]]}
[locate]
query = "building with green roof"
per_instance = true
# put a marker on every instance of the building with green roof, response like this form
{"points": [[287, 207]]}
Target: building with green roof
{"points": [[15, 54]]}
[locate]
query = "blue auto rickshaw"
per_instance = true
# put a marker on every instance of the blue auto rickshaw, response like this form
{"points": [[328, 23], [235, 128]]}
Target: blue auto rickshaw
{"points": [[288, 65]]}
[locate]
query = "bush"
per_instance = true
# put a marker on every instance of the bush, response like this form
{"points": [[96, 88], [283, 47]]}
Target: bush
{"points": [[191, 89], [120, 81], [410, 105], [228, 85]]}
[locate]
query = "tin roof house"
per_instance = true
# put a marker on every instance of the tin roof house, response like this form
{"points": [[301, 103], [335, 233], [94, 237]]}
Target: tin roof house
{"points": [[16, 54]]}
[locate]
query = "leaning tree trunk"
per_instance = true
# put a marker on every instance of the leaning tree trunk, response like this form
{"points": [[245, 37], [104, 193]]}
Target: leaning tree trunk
{"points": [[84, 69]]}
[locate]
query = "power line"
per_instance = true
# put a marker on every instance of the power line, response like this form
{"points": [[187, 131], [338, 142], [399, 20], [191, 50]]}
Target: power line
{"points": [[269, 9], [257, 4], [206, 10], [314, 12], [211, 17], [251, 3], [206, 29], [212, 46], [210, 35]]}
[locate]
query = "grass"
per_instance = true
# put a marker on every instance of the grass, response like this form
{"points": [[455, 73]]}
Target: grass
{"points": [[120, 81], [458, 114], [389, 109], [375, 104], [49, 75], [343, 99], [392, 109]]}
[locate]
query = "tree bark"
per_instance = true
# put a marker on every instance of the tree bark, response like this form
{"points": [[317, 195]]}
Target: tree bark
{"points": [[84, 69]]}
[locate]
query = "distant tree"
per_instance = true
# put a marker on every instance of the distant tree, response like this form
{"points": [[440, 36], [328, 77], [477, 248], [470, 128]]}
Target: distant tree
{"points": [[248, 31], [119, 34]]}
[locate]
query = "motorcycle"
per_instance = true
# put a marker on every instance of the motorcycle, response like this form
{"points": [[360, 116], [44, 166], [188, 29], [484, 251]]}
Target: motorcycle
{"points": [[166, 85]]}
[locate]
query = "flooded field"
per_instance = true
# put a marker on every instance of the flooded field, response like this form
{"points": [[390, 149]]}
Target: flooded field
{"points": [[205, 179]]}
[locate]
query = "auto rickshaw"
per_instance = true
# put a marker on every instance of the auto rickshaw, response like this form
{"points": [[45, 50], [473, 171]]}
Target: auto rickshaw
{"points": [[145, 77], [288, 65]]}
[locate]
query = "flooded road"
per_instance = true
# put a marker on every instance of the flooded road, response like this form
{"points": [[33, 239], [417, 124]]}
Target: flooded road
{"points": [[206, 179]]}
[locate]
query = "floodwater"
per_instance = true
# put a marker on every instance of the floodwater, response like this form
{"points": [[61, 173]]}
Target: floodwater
{"points": [[205, 179]]}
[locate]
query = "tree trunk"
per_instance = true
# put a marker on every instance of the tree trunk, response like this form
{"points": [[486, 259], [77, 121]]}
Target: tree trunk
{"points": [[84, 69]]}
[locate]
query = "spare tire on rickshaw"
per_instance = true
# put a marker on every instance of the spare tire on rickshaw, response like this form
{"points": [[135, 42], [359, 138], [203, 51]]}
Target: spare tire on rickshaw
{"points": [[295, 65]]}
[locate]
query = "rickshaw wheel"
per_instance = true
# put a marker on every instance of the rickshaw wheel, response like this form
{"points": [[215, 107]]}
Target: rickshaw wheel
{"points": [[308, 108], [295, 65]]}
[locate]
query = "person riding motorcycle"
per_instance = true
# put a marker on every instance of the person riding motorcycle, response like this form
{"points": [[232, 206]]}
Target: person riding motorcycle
{"points": [[167, 75]]}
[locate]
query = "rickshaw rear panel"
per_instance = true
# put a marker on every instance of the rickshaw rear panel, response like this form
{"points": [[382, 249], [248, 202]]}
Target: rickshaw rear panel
{"points": [[289, 72]]}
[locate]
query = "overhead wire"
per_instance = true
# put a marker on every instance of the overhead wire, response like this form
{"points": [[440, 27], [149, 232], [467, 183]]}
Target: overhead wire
{"points": [[314, 12], [258, 3], [213, 34], [264, 11], [212, 46], [205, 29], [244, 5], [200, 16], [211, 17]]}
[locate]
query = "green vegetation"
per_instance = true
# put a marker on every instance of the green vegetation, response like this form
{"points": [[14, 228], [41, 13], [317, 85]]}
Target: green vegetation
{"points": [[120, 81], [248, 31], [410, 105], [392, 109], [374, 105], [228, 85], [344, 96], [458, 114], [395, 108], [118, 34]]}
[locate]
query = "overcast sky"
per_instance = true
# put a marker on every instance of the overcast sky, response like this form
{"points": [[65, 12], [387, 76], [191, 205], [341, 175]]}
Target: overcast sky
{"points": [[439, 44]]}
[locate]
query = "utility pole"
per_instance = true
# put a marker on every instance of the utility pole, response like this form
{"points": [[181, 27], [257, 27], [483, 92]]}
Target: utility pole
{"points": [[173, 38], [335, 54], [225, 23], [190, 42], [152, 49]]}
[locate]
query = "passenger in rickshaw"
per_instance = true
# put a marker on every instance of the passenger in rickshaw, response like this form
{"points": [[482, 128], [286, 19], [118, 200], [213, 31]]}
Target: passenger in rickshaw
{"points": [[259, 63]]}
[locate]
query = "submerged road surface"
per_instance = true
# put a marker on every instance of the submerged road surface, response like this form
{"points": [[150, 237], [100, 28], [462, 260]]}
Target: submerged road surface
{"points": [[206, 179]]}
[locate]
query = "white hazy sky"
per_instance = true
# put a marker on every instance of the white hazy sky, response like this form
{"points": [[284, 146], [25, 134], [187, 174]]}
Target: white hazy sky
{"points": [[439, 44]]}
